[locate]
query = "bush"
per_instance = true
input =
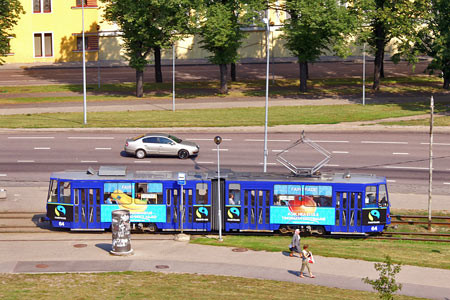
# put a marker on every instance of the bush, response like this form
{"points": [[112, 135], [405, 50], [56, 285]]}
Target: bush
{"points": [[385, 285]]}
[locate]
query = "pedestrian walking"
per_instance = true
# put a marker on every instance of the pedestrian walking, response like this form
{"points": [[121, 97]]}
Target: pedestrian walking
{"points": [[306, 255], [295, 243]]}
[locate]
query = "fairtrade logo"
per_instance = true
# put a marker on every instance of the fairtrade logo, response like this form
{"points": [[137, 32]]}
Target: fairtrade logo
{"points": [[59, 209], [200, 211], [233, 211], [374, 213]]}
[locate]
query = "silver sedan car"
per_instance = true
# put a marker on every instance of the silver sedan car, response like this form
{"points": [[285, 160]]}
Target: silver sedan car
{"points": [[160, 144]]}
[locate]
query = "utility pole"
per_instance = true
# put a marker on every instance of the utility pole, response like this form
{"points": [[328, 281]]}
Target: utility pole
{"points": [[430, 186]]}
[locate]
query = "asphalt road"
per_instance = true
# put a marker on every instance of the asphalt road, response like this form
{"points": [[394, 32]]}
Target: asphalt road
{"points": [[402, 158]]}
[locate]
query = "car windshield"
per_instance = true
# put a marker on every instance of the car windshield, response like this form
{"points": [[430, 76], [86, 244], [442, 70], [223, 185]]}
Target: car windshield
{"points": [[175, 139], [138, 137]]}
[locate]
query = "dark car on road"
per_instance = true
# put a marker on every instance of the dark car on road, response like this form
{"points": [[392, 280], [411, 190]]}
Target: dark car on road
{"points": [[160, 144]]}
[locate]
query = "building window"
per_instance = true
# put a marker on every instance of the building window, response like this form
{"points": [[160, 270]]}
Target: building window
{"points": [[90, 43], [43, 45], [87, 3], [42, 6]]}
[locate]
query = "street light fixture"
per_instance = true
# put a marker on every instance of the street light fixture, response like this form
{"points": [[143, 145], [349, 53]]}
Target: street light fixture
{"points": [[218, 140]]}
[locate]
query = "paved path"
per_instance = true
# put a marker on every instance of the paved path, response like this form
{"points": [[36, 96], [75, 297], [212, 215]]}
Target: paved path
{"points": [[56, 252]]}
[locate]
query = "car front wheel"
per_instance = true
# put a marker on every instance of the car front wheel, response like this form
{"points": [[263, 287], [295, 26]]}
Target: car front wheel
{"points": [[183, 154], [140, 154]]}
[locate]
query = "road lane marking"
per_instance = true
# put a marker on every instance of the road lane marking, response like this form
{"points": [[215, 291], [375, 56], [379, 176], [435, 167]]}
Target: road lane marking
{"points": [[90, 137], [318, 141], [3, 175], [438, 144], [390, 180], [205, 162], [25, 161], [400, 153], [142, 161], [41, 148], [412, 168], [261, 163], [340, 152], [219, 150], [446, 182], [261, 140], [280, 150], [31, 137], [89, 161], [330, 165], [382, 142], [103, 148], [227, 140]]}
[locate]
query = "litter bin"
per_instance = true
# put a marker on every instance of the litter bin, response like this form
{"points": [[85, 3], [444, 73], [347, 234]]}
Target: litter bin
{"points": [[120, 227]]}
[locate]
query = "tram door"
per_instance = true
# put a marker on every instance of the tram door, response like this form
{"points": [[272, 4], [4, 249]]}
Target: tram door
{"points": [[86, 211], [174, 208], [256, 209], [348, 211]]}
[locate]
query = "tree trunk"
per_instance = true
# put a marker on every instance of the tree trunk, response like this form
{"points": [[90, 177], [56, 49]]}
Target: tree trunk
{"points": [[446, 81], [139, 83], [379, 49], [382, 65], [307, 71], [223, 79], [233, 72], [303, 75], [158, 72]]}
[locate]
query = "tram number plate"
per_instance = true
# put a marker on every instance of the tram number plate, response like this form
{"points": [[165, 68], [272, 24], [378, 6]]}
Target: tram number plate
{"points": [[61, 223], [374, 228]]}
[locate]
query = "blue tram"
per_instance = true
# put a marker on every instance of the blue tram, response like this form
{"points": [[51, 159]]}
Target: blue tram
{"points": [[158, 201]]}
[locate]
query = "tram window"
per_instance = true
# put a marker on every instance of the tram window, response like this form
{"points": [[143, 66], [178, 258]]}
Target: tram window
{"points": [[76, 196], [64, 192], [117, 193], [337, 217], [267, 199], [168, 197], [371, 196], [91, 197], [359, 200], [352, 200], [260, 196], [149, 193], [245, 197], [252, 199], [383, 195], [322, 195], [338, 200], [201, 195], [53, 191], [190, 198], [234, 194]]}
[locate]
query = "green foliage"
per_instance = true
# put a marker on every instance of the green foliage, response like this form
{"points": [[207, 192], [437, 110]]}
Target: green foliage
{"points": [[316, 26], [385, 285], [220, 27], [146, 24], [10, 11], [434, 39]]}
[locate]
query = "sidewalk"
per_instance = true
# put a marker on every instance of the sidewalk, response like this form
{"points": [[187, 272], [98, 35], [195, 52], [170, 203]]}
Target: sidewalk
{"points": [[28, 253]]}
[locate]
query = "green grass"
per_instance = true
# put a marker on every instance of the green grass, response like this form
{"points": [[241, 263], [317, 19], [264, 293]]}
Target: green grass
{"points": [[149, 285], [432, 254], [252, 116], [438, 121]]}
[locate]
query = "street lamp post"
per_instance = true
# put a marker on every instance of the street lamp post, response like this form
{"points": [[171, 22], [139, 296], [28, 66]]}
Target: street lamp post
{"points": [[173, 77], [218, 140], [84, 62], [266, 20], [364, 74]]}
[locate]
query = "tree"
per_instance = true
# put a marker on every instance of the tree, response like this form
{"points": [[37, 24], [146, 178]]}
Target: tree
{"points": [[433, 39], [10, 11], [385, 285], [220, 29], [314, 27], [148, 25], [383, 21]]}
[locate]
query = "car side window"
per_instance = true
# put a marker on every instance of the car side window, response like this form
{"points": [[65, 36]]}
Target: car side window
{"points": [[152, 140], [164, 141]]}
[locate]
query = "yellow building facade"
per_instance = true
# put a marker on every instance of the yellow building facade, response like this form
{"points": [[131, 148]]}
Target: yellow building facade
{"points": [[50, 32]]}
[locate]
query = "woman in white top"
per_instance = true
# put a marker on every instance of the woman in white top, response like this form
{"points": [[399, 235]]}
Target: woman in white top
{"points": [[305, 262]]}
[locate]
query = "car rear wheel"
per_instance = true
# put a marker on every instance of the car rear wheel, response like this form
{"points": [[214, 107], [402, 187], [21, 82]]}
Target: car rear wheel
{"points": [[140, 154], [183, 154]]}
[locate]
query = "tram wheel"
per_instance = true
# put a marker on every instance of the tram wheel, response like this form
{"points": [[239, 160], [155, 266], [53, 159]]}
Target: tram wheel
{"points": [[284, 230], [152, 227], [183, 154]]}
